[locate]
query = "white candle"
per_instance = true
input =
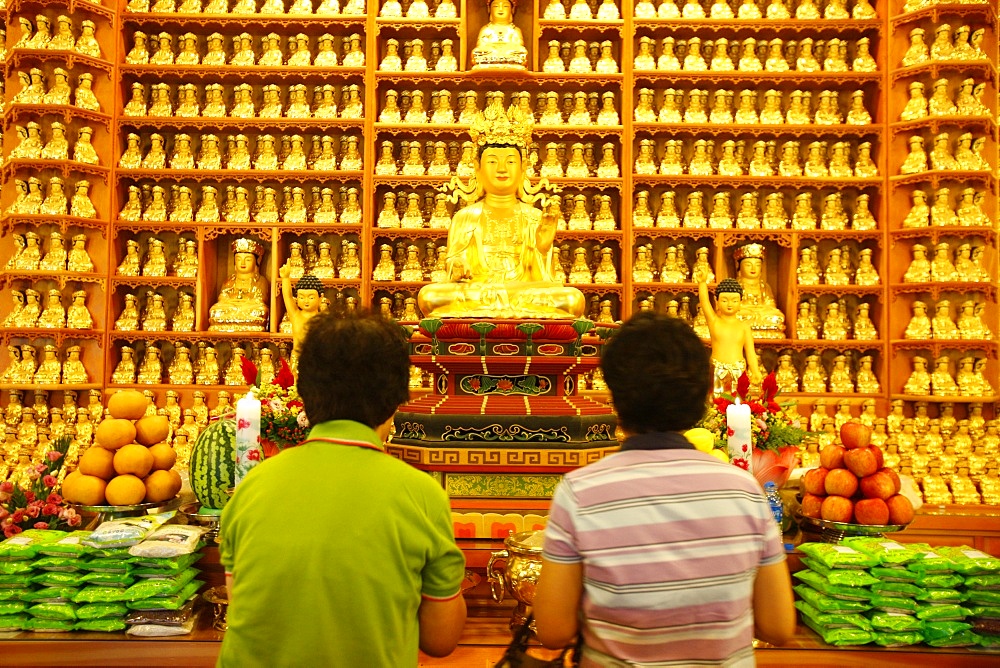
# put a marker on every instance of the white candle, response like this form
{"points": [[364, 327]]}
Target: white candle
{"points": [[247, 435], [739, 441]]}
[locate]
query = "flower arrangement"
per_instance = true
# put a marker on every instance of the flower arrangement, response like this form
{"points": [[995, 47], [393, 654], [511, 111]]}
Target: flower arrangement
{"points": [[39, 505], [283, 422], [774, 427]]}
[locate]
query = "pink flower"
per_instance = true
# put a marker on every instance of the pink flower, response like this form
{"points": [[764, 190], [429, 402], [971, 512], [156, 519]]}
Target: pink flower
{"points": [[33, 475], [3, 513], [33, 511], [41, 525], [41, 468], [243, 423], [53, 498], [4, 497], [302, 420], [53, 455], [73, 521], [6, 486], [50, 481]]}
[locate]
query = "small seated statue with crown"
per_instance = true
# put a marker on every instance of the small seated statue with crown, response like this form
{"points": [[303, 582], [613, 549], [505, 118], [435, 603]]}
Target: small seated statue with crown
{"points": [[500, 259], [500, 44]]}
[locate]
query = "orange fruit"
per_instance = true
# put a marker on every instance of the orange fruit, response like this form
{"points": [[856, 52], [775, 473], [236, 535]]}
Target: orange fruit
{"points": [[125, 490], [162, 485], [152, 429], [164, 457], [67, 484], [135, 459], [88, 490], [114, 433], [127, 404], [97, 461]]}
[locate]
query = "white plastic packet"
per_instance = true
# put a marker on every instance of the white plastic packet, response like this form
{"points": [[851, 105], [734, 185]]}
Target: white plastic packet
{"points": [[127, 531], [161, 630], [171, 540]]}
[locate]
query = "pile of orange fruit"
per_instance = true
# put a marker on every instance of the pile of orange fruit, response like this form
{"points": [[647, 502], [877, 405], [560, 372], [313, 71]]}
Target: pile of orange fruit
{"points": [[131, 461]]}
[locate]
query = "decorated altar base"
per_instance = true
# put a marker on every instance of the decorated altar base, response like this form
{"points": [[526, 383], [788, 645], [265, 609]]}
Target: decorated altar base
{"points": [[505, 417]]}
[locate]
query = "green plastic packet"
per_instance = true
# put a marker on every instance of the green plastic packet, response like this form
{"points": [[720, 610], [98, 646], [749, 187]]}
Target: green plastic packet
{"points": [[175, 602], [896, 604], [107, 565], [943, 613], [163, 567], [817, 581], [941, 596], [891, 622], [70, 545], [14, 594], [15, 567], [897, 589], [13, 622], [890, 574], [827, 604], [837, 556], [16, 581], [155, 587], [127, 531], [930, 560], [848, 577], [885, 551], [50, 595], [58, 579], [840, 636], [983, 597], [988, 641], [64, 611], [48, 625], [101, 611], [12, 607], [899, 639], [109, 579], [99, 594], [119, 553], [939, 580], [983, 582], [106, 625], [64, 564], [833, 620], [959, 639], [25, 544], [985, 611], [970, 561]]}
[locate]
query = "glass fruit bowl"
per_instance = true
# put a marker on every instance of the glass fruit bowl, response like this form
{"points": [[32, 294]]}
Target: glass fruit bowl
{"points": [[833, 532], [105, 513]]}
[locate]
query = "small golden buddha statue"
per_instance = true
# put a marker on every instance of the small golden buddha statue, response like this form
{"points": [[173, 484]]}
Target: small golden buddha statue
{"points": [[841, 381], [814, 377], [54, 314], [606, 272], [694, 213], [919, 270], [941, 157], [758, 305], [155, 317], [942, 382], [49, 371], [834, 328], [242, 305], [867, 383], [866, 273], [500, 44], [942, 326], [941, 267], [124, 373], [30, 312], [916, 159], [667, 215], [919, 326]]}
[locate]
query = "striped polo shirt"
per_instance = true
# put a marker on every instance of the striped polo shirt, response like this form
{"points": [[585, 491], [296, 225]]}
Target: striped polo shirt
{"points": [[670, 540]]}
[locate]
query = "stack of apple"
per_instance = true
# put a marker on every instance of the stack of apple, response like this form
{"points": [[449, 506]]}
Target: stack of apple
{"points": [[852, 485]]}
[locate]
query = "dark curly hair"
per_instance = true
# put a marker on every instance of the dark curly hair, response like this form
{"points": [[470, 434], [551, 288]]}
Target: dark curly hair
{"points": [[353, 368], [659, 374]]}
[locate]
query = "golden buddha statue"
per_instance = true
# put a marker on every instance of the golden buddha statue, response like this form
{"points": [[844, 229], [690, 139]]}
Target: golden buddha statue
{"points": [[864, 328], [867, 381], [758, 307], [942, 382], [242, 305], [500, 44], [500, 250], [919, 270]]}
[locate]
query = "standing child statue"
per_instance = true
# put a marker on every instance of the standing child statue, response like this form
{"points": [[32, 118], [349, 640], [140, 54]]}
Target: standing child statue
{"points": [[301, 305], [732, 339]]}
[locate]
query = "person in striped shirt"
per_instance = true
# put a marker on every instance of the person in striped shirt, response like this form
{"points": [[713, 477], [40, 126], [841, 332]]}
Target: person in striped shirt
{"points": [[661, 555]]}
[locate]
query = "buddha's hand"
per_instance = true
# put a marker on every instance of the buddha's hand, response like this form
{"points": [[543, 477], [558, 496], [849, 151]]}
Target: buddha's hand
{"points": [[285, 271], [700, 276]]}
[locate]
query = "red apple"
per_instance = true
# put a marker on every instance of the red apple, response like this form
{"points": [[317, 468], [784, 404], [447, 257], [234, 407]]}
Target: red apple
{"points": [[812, 505], [837, 509], [871, 511], [861, 462], [895, 478], [841, 482], [878, 486], [879, 455], [855, 435], [832, 457], [900, 509], [813, 481]]}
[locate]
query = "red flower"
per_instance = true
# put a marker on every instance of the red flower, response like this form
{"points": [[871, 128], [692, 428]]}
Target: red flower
{"points": [[11, 530], [729, 431], [6, 486], [53, 498], [53, 455], [475, 384], [284, 378], [721, 404], [755, 407], [505, 385], [743, 386], [18, 516], [742, 463], [33, 511], [29, 496], [50, 509], [253, 455], [243, 423], [41, 525], [769, 387], [249, 370], [50, 481]]}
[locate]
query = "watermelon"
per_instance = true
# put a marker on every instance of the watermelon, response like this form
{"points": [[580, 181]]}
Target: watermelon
{"points": [[212, 467]]}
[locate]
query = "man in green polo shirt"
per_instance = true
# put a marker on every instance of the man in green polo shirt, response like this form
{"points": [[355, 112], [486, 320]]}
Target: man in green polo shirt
{"points": [[337, 554]]}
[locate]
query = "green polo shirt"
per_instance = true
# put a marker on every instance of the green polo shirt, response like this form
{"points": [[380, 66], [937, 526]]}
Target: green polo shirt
{"points": [[331, 548]]}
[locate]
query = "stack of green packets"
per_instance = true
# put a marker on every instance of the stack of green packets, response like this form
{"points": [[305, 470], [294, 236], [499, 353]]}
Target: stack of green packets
{"points": [[52, 581], [876, 590]]}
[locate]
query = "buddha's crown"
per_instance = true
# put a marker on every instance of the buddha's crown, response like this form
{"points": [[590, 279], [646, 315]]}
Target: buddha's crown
{"points": [[749, 250], [245, 245], [494, 126]]}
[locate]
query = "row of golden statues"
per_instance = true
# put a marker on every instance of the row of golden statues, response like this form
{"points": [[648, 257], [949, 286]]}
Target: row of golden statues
{"points": [[713, 210], [841, 373], [807, 55], [964, 44], [967, 100], [32, 146], [969, 380], [749, 110], [292, 152], [941, 213], [967, 264], [39, 35], [24, 367], [417, 9], [29, 312], [580, 57], [840, 267], [317, 258], [580, 10], [408, 210], [297, 52], [28, 255], [52, 200], [154, 316], [238, 204], [751, 212], [751, 9], [942, 326], [156, 262], [186, 103], [248, 7], [730, 157], [200, 366], [35, 89], [964, 153], [571, 108], [440, 56], [835, 323]]}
